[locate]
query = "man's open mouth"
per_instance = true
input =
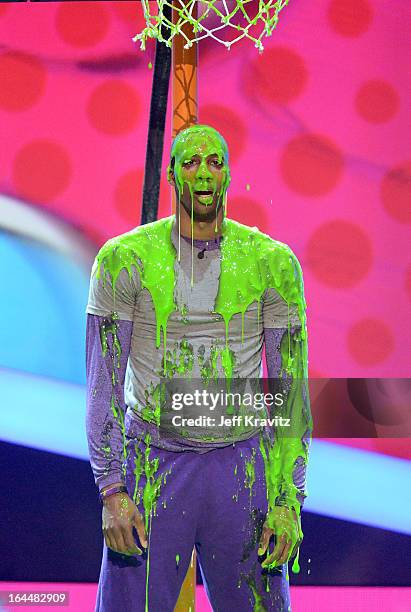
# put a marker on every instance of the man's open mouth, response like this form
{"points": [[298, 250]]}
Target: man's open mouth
{"points": [[205, 197]]}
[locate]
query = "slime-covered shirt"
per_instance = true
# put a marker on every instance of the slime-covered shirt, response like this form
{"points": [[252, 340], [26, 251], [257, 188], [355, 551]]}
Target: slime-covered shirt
{"points": [[184, 326]]}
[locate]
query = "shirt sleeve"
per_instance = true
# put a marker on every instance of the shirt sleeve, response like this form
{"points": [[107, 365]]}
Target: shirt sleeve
{"points": [[286, 447], [276, 312], [283, 299], [107, 348], [299, 408], [104, 298]]}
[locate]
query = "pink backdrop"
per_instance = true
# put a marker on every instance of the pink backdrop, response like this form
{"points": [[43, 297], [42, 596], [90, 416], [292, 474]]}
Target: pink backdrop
{"points": [[316, 126]]}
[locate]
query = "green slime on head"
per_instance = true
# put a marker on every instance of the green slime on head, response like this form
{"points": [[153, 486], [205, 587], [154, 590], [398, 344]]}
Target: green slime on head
{"points": [[202, 141], [199, 140]]}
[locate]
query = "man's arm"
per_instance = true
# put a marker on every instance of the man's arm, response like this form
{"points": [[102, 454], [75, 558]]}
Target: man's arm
{"points": [[286, 452], [108, 342], [107, 349], [110, 311], [285, 448], [114, 287], [274, 340]]}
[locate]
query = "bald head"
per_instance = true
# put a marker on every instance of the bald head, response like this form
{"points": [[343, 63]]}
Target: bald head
{"points": [[199, 171], [196, 137]]}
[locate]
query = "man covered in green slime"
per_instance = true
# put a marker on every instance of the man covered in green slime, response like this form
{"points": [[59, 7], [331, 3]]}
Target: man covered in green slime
{"points": [[194, 297]]}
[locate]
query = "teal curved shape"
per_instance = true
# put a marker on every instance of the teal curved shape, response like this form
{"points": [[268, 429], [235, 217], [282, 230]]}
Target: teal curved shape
{"points": [[44, 295]]}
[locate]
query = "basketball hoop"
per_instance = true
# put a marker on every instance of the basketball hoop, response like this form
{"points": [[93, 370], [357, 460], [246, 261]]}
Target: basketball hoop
{"points": [[225, 21]]}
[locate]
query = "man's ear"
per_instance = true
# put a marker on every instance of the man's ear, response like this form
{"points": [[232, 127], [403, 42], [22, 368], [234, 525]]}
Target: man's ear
{"points": [[229, 176], [170, 176]]}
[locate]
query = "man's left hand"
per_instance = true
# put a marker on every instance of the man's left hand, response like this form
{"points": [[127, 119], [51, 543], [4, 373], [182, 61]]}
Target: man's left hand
{"points": [[285, 525]]}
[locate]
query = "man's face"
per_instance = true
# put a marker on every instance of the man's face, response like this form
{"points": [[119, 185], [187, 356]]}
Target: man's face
{"points": [[201, 173]]}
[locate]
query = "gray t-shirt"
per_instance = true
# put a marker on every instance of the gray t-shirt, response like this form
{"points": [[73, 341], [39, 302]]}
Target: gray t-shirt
{"points": [[195, 334]]}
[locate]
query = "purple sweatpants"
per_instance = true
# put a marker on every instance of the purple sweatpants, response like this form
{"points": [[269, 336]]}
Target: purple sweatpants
{"points": [[211, 503]]}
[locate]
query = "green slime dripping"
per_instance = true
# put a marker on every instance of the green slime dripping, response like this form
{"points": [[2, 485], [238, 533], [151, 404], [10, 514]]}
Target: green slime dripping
{"points": [[202, 141], [151, 491], [109, 327], [251, 262]]}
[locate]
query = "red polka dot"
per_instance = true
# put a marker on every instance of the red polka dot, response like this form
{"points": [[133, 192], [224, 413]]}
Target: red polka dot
{"points": [[396, 192], [370, 341], [339, 254], [229, 124], [248, 211], [128, 195], [23, 80], [278, 75], [311, 165], [408, 281], [377, 101], [132, 13], [238, 19], [41, 170], [114, 108], [350, 18], [314, 373], [82, 24]]}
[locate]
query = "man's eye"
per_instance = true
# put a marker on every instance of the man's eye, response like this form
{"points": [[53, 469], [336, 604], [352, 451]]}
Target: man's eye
{"points": [[217, 163], [188, 163]]}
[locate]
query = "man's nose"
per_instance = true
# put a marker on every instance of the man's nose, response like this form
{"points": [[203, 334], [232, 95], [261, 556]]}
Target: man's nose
{"points": [[204, 171]]}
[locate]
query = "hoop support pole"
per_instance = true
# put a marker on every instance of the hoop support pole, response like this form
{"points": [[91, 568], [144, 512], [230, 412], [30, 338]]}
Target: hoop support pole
{"points": [[185, 113]]}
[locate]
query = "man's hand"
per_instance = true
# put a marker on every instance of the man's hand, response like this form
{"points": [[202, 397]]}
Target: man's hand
{"points": [[285, 525], [120, 515]]}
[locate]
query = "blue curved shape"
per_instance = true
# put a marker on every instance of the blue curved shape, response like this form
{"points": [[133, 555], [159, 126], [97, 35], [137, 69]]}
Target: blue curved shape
{"points": [[42, 311], [43, 413], [359, 486]]}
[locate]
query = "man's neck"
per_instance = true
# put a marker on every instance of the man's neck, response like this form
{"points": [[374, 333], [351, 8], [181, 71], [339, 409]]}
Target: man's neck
{"points": [[202, 230]]}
